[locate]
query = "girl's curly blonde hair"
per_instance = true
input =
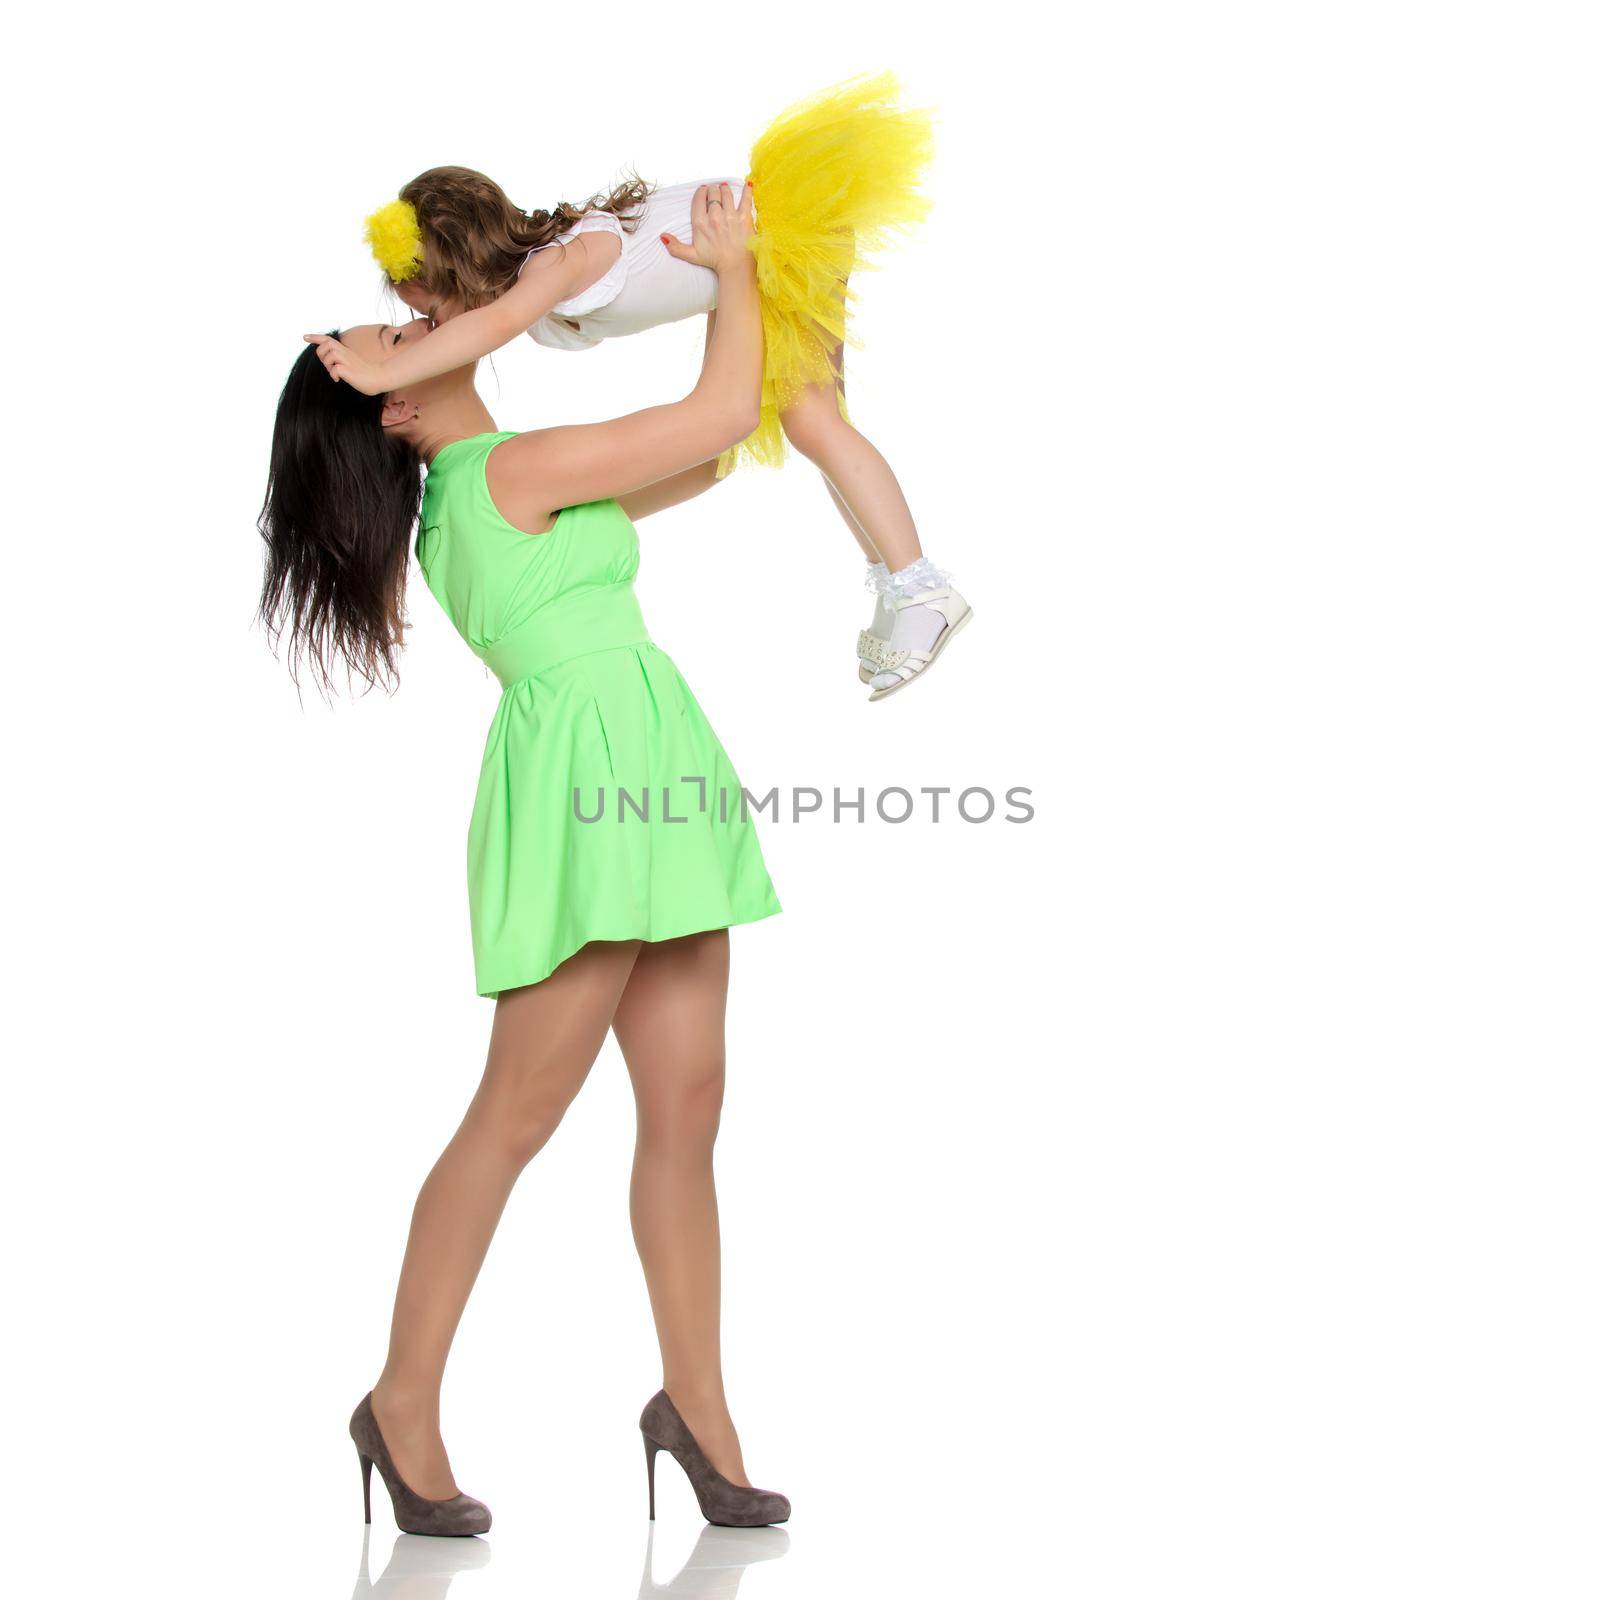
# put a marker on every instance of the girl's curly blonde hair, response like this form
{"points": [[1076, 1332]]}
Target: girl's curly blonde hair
{"points": [[474, 240]]}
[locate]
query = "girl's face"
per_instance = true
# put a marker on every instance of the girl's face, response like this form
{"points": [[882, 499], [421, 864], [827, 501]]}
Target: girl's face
{"points": [[425, 303]]}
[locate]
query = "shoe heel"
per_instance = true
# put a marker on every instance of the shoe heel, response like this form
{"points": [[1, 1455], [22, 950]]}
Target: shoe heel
{"points": [[366, 1487], [650, 1448]]}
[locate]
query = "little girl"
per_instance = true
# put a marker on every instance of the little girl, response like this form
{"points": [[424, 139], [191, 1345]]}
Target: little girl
{"points": [[833, 178]]}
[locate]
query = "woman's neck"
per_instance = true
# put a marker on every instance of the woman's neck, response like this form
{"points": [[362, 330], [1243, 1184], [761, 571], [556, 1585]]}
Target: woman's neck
{"points": [[444, 421]]}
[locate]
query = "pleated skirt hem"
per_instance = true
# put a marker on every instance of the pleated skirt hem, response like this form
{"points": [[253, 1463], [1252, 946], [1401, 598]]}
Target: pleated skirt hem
{"points": [[494, 983]]}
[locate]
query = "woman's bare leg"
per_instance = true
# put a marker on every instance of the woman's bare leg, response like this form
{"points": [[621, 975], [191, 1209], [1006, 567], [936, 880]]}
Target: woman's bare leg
{"points": [[669, 1023], [862, 483], [544, 1041]]}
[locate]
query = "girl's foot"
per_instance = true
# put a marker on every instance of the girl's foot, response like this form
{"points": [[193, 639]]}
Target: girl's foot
{"points": [[411, 1431], [928, 614]]}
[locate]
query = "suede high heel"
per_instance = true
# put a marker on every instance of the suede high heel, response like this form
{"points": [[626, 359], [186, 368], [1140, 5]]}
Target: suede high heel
{"points": [[458, 1517], [724, 1504]]}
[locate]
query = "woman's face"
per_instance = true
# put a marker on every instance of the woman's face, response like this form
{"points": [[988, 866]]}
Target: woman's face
{"points": [[376, 342]]}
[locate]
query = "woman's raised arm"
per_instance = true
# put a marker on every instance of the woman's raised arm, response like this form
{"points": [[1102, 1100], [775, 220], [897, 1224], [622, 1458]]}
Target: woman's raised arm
{"points": [[680, 486], [536, 474]]}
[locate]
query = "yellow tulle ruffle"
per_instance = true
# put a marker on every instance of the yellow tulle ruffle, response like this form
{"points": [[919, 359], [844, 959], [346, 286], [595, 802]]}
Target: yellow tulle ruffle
{"points": [[836, 178]]}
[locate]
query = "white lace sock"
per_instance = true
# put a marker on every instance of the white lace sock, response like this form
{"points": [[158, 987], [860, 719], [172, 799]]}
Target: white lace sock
{"points": [[879, 583], [915, 627]]}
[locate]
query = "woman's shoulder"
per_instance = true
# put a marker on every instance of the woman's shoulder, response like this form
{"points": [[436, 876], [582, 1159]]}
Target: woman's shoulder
{"points": [[456, 474], [454, 461], [458, 507], [510, 481]]}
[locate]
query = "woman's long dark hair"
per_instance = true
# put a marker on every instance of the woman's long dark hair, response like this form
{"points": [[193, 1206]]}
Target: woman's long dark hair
{"points": [[342, 500]]}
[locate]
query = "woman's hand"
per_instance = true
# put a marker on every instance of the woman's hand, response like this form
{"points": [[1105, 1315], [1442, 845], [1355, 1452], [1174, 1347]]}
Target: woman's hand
{"points": [[722, 230], [344, 366]]}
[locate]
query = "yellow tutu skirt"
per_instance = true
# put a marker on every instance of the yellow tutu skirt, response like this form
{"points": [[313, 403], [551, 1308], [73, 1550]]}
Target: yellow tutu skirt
{"points": [[836, 178]]}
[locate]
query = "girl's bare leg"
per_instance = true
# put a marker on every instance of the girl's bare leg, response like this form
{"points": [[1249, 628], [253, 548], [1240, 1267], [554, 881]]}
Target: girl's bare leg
{"points": [[544, 1041], [868, 549], [862, 483], [669, 1024]]}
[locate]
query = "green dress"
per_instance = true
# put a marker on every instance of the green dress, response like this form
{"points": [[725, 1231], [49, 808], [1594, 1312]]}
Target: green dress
{"points": [[606, 808]]}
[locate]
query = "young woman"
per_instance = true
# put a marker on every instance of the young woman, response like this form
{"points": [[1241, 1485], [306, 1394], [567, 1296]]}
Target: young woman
{"points": [[527, 540]]}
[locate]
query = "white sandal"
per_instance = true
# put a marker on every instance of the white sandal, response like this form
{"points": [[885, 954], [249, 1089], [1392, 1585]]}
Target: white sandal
{"points": [[908, 665], [877, 632]]}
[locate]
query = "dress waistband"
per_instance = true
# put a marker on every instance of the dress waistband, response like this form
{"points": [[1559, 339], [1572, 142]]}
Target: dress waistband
{"points": [[580, 624]]}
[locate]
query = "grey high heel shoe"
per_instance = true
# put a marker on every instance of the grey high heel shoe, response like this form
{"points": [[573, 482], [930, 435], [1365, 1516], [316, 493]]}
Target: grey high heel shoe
{"points": [[722, 1503], [457, 1517]]}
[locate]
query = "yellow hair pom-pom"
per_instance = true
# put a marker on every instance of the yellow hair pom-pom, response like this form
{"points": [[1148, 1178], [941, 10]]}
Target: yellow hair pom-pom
{"points": [[396, 239]]}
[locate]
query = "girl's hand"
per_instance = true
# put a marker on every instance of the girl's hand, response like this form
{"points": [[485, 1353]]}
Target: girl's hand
{"points": [[344, 366], [722, 230]]}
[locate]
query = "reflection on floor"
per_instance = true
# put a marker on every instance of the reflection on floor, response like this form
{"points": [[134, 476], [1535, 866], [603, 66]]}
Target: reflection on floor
{"points": [[716, 1564], [421, 1568], [418, 1568]]}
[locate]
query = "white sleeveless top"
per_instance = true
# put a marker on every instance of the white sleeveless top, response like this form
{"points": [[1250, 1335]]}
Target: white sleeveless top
{"points": [[645, 287]]}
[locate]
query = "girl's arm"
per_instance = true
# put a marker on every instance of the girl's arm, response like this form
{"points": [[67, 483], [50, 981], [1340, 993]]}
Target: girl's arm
{"points": [[548, 278], [534, 475]]}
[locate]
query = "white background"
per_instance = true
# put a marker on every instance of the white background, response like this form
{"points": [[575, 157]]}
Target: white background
{"points": [[1190, 1191]]}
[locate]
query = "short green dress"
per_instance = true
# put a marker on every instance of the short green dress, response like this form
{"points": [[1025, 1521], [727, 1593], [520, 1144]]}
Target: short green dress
{"points": [[606, 808]]}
